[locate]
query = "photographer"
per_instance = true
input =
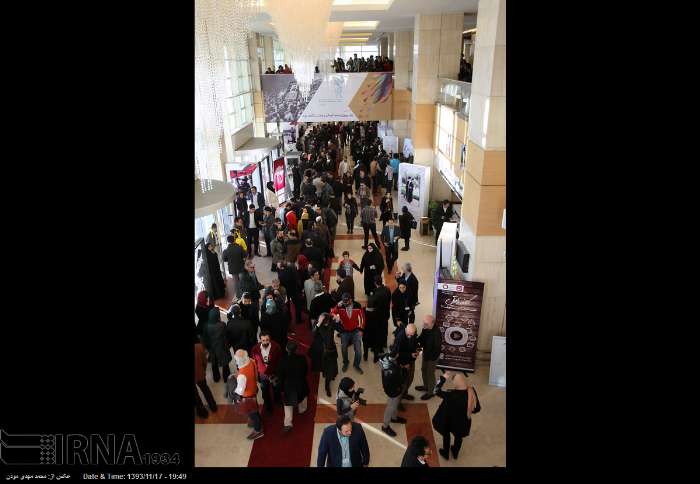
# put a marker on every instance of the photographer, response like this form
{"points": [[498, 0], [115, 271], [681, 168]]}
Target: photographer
{"points": [[393, 377], [348, 398]]}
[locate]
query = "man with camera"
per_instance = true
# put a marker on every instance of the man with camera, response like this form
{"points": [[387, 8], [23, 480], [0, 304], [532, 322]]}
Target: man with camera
{"points": [[406, 350], [348, 399], [349, 320], [393, 376]]}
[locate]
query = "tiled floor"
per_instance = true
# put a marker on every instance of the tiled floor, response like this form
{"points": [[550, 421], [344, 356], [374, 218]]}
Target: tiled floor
{"points": [[225, 444]]}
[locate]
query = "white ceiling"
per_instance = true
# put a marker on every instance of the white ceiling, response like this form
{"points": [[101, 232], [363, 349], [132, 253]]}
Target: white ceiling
{"points": [[399, 16]]}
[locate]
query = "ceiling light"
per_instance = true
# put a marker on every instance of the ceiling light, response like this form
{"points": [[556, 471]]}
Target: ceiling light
{"points": [[470, 31], [361, 24], [361, 3]]}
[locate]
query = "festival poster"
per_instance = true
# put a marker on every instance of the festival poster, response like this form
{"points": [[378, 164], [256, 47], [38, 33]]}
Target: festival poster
{"points": [[279, 179], [458, 313]]}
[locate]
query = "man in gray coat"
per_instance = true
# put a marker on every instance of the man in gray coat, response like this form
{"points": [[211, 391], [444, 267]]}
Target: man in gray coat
{"points": [[234, 256], [278, 249]]}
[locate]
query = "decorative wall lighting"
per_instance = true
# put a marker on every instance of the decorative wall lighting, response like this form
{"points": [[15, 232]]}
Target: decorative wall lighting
{"points": [[219, 25]]}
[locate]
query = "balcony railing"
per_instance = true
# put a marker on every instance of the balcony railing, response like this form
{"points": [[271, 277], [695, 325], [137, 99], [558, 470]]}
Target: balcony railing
{"points": [[455, 94]]}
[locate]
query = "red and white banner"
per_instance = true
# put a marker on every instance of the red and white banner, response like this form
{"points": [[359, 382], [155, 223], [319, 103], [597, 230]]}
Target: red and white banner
{"points": [[279, 179]]}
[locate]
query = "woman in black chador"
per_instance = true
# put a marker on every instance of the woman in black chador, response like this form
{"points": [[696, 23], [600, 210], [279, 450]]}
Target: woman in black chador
{"points": [[216, 286], [372, 265]]}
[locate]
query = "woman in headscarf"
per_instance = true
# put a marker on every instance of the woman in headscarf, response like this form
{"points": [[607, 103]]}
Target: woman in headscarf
{"points": [[214, 339], [275, 320], [372, 335], [387, 209], [372, 265], [345, 402], [455, 412], [323, 352], [215, 282], [204, 305]]}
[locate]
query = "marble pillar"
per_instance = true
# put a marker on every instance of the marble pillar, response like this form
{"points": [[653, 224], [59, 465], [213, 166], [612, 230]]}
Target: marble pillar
{"points": [[485, 180]]}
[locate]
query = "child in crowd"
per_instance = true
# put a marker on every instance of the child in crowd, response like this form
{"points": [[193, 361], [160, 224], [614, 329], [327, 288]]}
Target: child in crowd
{"points": [[347, 264]]}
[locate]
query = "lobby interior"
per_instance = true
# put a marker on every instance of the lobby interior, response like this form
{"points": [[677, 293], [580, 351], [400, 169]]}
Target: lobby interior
{"points": [[457, 130]]}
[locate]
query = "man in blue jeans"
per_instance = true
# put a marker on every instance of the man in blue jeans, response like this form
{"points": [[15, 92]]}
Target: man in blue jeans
{"points": [[349, 320]]}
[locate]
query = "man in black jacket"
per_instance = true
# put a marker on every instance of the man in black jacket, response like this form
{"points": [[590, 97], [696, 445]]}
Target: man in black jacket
{"points": [[390, 239], [314, 255], [393, 377], [250, 283], [441, 215], [287, 275], [411, 282], [234, 256], [405, 220], [330, 449], [253, 222], [241, 204], [255, 198], [239, 331], [405, 349], [430, 341], [250, 310], [292, 371], [381, 302]]}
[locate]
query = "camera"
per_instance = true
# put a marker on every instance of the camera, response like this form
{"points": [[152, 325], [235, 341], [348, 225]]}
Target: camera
{"points": [[356, 396]]}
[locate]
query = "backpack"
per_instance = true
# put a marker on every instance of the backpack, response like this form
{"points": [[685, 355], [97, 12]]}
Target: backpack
{"points": [[392, 378]]}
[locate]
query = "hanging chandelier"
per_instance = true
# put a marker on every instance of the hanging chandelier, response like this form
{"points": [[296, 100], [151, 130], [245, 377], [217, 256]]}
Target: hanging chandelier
{"points": [[221, 31], [301, 28]]}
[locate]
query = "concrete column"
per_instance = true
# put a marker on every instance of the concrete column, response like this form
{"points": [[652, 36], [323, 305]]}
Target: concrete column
{"points": [[401, 53], [256, 64], [390, 45], [485, 180], [269, 54]]}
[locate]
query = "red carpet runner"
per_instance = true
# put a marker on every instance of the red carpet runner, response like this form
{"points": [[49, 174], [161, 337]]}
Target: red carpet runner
{"points": [[293, 449]]}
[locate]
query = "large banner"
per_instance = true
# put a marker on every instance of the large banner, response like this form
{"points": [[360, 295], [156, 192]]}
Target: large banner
{"points": [[279, 180], [414, 185], [457, 315], [345, 96]]}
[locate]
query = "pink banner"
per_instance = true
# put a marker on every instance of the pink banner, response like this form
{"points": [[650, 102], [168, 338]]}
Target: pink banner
{"points": [[279, 179]]}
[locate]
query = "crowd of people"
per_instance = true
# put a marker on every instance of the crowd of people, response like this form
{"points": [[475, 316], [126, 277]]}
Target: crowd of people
{"points": [[262, 321], [360, 64], [353, 64], [280, 70]]}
